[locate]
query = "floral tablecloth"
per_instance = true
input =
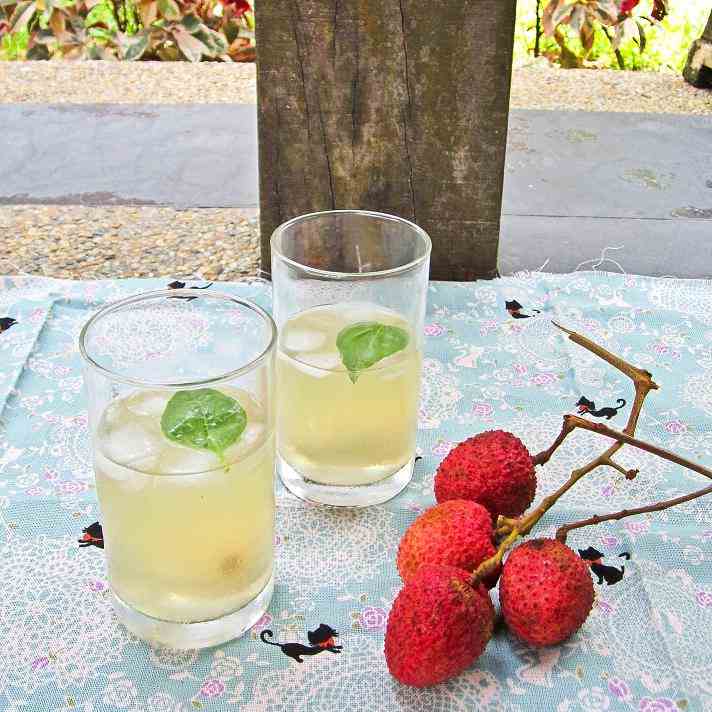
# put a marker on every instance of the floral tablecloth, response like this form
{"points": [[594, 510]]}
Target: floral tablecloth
{"points": [[646, 646]]}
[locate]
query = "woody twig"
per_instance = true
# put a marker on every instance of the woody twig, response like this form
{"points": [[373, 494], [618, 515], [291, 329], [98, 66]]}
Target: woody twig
{"points": [[513, 528], [563, 531]]}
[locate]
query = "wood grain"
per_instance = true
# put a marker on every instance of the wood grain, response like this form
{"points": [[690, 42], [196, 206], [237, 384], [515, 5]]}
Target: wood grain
{"points": [[398, 106]]}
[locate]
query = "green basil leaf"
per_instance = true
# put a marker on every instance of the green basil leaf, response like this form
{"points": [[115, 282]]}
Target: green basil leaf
{"points": [[203, 419], [366, 343]]}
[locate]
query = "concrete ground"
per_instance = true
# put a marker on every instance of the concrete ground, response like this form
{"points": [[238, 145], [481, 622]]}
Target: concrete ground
{"points": [[172, 189]]}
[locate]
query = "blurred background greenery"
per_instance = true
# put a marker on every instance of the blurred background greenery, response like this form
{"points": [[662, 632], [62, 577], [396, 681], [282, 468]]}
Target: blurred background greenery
{"points": [[666, 48]]}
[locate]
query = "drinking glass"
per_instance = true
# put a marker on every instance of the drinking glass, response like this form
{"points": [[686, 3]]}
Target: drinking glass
{"points": [[179, 388], [350, 289]]}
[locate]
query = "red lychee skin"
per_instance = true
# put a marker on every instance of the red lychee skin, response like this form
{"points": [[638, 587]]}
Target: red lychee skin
{"points": [[493, 468], [456, 533], [545, 592], [438, 626]]}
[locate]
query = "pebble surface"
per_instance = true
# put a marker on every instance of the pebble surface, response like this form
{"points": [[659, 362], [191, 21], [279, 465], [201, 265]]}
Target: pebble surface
{"points": [[81, 242], [534, 86]]}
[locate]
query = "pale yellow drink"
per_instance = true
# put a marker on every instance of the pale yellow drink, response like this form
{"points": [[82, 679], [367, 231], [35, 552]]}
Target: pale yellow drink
{"points": [[188, 539], [334, 431]]}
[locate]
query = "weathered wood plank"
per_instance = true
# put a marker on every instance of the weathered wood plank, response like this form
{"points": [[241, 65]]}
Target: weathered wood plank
{"points": [[396, 105]]}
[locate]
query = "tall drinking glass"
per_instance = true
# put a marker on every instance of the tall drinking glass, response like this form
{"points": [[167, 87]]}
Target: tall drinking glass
{"points": [[180, 399], [349, 300]]}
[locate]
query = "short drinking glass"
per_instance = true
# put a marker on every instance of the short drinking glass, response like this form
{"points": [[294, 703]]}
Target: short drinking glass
{"points": [[349, 290], [179, 386]]}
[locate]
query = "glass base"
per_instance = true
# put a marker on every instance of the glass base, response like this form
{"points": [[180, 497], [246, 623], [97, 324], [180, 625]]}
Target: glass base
{"points": [[344, 495], [188, 636]]}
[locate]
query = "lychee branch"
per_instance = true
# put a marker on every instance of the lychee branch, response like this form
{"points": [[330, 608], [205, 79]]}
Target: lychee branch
{"points": [[643, 382], [572, 422], [563, 531]]}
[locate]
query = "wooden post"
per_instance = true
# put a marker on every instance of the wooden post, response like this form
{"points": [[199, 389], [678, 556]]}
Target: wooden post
{"points": [[698, 69], [392, 105]]}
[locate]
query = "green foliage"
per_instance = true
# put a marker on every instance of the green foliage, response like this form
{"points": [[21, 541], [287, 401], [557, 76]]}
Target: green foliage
{"points": [[365, 344], [191, 30], [204, 419], [666, 45]]}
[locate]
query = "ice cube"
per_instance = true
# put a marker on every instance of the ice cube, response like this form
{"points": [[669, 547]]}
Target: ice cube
{"points": [[151, 403], [320, 365], [179, 460], [129, 441], [128, 479], [302, 340], [252, 435]]}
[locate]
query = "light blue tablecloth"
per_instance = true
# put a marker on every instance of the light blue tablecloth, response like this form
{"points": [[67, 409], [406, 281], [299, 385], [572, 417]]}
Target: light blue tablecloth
{"points": [[646, 645]]}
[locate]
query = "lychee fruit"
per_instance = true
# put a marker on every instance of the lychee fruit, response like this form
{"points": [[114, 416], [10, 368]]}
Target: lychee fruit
{"points": [[545, 592], [493, 468], [456, 533], [438, 626]]}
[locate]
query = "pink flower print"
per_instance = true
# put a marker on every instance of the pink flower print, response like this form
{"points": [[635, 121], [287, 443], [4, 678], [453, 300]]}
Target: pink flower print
{"points": [[442, 447], [277, 539], [34, 491], [470, 358], [660, 349], [39, 663], [543, 379], [610, 541], [263, 622], [606, 608], [50, 474], [675, 427], [97, 586], [212, 688], [619, 688], [482, 410], [373, 618], [72, 487], [675, 354], [520, 369], [607, 490], [434, 330], [637, 527], [660, 704], [704, 598]]}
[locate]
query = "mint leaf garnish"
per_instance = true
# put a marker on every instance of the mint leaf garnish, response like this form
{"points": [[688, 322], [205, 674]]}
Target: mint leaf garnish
{"points": [[203, 419], [366, 343]]}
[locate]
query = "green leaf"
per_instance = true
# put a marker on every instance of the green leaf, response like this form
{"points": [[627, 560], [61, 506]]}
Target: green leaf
{"points": [[191, 22], [22, 15], [134, 47], [366, 343], [204, 419], [191, 47], [169, 9]]}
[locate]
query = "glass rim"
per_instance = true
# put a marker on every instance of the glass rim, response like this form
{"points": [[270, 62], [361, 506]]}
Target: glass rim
{"points": [[119, 304], [335, 275]]}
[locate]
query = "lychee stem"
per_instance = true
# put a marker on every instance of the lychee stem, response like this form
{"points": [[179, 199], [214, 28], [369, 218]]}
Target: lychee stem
{"points": [[573, 422], [562, 532], [488, 567]]}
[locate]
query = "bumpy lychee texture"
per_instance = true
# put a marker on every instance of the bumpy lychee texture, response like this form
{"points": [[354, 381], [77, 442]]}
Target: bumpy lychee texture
{"points": [[493, 468], [438, 626], [456, 533], [545, 592]]}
